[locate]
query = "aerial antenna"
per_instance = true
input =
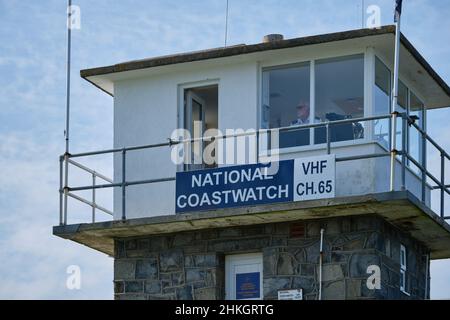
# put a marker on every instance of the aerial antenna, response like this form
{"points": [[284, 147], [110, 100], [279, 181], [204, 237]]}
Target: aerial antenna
{"points": [[363, 13], [226, 22], [69, 48]]}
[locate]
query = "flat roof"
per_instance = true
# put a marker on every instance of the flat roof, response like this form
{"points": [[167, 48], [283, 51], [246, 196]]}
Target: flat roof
{"points": [[94, 75], [401, 209]]}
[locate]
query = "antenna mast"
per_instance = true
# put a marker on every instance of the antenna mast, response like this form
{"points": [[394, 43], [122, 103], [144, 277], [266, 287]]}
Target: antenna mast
{"points": [[226, 22], [363, 13], [69, 48]]}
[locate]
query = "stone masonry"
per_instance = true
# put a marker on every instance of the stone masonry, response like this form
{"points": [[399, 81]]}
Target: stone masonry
{"points": [[191, 265]]}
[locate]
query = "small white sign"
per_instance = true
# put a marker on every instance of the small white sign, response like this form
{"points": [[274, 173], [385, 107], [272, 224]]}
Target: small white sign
{"points": [[290, 294], [314, 178]]}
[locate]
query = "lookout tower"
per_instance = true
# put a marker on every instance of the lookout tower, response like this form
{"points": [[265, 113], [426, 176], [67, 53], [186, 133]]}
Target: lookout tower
{"points": [[269, 171]]}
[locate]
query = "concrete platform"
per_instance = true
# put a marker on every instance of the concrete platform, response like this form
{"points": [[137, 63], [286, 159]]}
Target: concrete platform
{"points": [[401, 209]]}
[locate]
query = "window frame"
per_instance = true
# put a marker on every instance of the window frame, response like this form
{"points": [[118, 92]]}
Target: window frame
{"points": [[410, 89], [262, 67], [403, 268]]}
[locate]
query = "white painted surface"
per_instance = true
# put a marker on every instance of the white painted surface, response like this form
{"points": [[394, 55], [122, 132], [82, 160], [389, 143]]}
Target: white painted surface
{"points": [[147, 110], [242, 264]]}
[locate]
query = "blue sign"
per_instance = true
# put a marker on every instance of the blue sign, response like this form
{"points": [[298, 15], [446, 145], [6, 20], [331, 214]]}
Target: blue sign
{"points": [[256, 184], [238, 186], [248, 286]]}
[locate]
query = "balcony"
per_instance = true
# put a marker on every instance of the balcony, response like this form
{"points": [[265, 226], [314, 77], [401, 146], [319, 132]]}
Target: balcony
{"points": [[397, 185]]}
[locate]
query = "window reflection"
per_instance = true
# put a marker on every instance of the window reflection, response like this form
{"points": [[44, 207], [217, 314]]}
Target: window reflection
{"points": [[414, 137], [286, 93], [382, 102], [402, 107], [340, 96]]}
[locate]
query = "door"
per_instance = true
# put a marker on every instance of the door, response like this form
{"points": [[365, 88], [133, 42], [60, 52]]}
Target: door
{"points": [[244, 277], [195, 124]]}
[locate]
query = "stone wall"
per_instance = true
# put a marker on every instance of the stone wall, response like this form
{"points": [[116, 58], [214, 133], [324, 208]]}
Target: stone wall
{"points": [[191, 265]]}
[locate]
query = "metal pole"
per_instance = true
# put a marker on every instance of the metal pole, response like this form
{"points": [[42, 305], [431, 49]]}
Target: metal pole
{"points": [[66, 186], [424, 167], [124, 214], [363, 14], [93, 197], [257, 145], [61, 165], [328, 139], [66, 133], [394, 102], [226, 22], [427, 276], [393, 149], [396, 64], [404, 151], [322, 231], [442, 185], [69, 49]]}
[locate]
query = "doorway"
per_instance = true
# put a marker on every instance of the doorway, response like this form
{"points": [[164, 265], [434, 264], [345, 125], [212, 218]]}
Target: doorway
{"points": [[244, 277], [200, 117]]}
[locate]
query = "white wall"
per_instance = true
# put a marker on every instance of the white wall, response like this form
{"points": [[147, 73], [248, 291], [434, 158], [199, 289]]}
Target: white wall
{"points": [[145, 112]]}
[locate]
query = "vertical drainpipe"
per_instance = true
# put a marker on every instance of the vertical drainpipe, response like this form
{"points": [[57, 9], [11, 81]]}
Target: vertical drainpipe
{"points": [[322, 231], [427, 279]]}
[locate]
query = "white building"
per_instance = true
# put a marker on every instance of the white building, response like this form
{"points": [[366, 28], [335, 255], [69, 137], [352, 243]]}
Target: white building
{"points": [[275, 84]]}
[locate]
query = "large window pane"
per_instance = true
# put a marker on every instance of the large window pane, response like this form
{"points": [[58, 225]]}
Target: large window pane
{"points": [[286, 94], [402, 107], [402, 100], [382, 102], [340, 95], [415, 138]]}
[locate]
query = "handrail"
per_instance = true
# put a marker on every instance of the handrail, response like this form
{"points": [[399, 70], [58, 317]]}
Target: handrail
{"points": [[66, 190], [82, 167], [434, 143], [90, 203], [210, 138], [407, 122]]}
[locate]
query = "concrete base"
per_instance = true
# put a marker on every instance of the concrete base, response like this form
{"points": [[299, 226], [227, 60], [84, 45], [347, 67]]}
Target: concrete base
{"points": [[190, 265], [401, 209]]}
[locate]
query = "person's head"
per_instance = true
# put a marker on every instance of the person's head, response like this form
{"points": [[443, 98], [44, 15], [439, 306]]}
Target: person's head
{"points": [[303, 110]]}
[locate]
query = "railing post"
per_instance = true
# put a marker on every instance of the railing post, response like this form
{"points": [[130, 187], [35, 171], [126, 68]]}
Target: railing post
{"points": [[66, 186], [94, 205], [61, 177], [328, 138], [393, 148], [424, 166], [124, 155], [404, 150], [442, 185], [257, 146]]}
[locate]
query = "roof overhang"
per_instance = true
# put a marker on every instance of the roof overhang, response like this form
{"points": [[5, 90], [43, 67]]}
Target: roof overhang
{"points": [[401, 209], [435, 91]]}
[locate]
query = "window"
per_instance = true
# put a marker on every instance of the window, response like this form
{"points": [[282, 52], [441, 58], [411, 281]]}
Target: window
{"points": [[414, 137], [339, 95], [402, 107], [402, 101], [403, 259], [286, 102], [382, 94]]}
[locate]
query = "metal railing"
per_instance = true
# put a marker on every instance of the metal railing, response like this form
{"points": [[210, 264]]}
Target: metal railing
{"points": [[402, 155], [66, 192]]}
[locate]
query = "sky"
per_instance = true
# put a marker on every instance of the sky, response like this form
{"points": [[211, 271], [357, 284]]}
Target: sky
{"points": [[33, 262]]}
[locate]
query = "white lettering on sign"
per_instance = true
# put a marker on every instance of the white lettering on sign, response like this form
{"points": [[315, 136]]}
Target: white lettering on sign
{"points": [[290, 294], [314, 178]]}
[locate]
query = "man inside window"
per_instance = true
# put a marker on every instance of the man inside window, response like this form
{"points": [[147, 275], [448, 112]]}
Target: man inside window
{"points": [[303, 115]]}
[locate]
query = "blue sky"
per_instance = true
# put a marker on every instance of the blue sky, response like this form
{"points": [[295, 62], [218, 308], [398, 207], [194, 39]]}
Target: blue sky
{"points": [[32, 105]]}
